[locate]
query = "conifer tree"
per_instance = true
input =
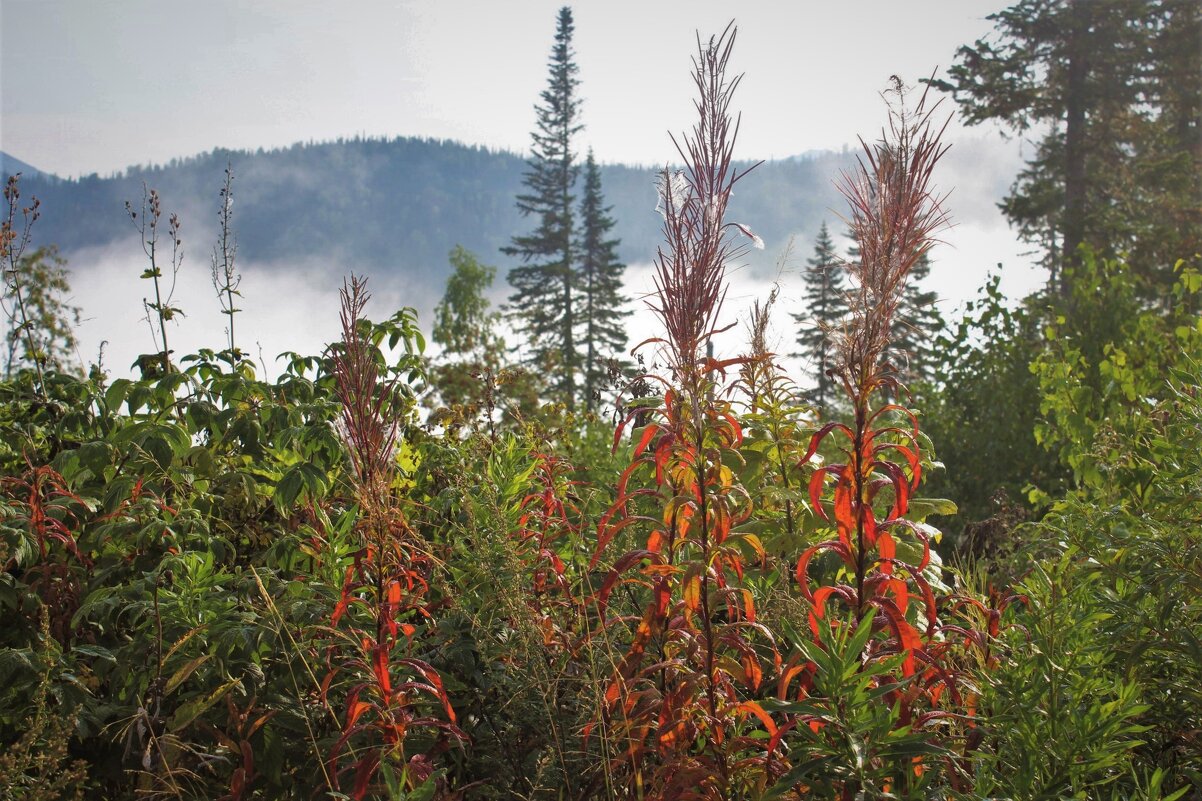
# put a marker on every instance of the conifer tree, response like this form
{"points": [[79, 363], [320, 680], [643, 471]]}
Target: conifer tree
{"points": [[826, 306], [1113, 88], [600, 278], [916, 325], [543, 303]]}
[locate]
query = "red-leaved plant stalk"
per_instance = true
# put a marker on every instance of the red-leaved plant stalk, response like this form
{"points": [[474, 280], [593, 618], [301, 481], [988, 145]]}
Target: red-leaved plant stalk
{"points": [[382, 609], [43, 506], [549, 518], [677, 720], [895, 216]]}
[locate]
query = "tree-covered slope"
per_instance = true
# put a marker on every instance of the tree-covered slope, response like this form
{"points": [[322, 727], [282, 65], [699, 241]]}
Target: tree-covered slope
{"points": [[393, 206]]}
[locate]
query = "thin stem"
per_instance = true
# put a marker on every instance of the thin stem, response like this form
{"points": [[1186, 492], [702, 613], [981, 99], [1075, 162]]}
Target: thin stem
{"points": [[12, 253]]}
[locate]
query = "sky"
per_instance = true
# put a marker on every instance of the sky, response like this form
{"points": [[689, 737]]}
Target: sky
{"points": [[91, 86], [94, 87]]}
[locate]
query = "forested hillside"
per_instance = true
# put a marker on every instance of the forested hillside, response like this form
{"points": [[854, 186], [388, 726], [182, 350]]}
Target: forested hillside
{"points": [[393, 206]]}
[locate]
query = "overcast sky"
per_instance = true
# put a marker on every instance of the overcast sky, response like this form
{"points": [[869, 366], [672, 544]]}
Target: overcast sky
{"points": [[89, 86]]}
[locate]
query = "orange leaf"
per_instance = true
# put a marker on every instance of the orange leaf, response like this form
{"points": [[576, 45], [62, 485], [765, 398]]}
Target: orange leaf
{"points": [[648, 432], [845, 519], [356, 709], [752, 671], [753, 708], [656, 541], [692, 593], [888, 549], [380, 667]]}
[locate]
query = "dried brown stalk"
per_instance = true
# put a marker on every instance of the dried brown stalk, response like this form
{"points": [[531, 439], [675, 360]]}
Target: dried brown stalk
{"points": [[895, 217], [690, 271], [368, 427]]}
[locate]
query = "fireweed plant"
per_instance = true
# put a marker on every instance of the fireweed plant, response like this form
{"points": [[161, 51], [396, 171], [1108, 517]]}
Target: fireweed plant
{"points": [[388, 581], [879, 589], [678, 711]]}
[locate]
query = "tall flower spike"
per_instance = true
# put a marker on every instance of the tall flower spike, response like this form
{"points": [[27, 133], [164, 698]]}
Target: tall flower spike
{"points": [[895, 217], [690, 270]]}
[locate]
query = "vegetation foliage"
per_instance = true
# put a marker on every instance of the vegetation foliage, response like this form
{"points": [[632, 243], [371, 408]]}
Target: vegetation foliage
{"points": [[383, 574]]}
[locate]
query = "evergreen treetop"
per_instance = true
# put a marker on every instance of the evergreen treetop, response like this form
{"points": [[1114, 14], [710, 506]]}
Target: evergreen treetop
{"points": [[600, 276], [1115, 86], [825, 308], [543, 300]]}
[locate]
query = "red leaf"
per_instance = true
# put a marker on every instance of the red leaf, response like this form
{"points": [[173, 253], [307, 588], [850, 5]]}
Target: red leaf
{"points": [[365, 769], [845, 520], [893, 407], [248, 758], [888, 551], [650, 431], [901, 488], [355, 710], [901, 592], [870, 528], [339, 610], [380, 667], [736, 429], [656, 541], [911, 456], [237, 784], [816, 440], [624, 563], [753, 708], [803, 562], [752, 672], [816, 486], [907, 638], [431, 676]]}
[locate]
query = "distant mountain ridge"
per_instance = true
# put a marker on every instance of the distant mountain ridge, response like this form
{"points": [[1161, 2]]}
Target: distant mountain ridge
{"points": [[395, 207], [11, 165]]}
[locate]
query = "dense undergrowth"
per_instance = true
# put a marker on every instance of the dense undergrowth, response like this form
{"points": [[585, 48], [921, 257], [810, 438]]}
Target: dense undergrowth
{"points": [[219, 586]]}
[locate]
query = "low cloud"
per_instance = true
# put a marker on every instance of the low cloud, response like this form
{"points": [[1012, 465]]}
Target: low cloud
{"points": [[284, 307]]}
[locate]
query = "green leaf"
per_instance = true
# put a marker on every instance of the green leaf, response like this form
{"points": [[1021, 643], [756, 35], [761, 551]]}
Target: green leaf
{"points": [[184, 672], [921, 508], [95, 652], [115, 395], [193, 709]]}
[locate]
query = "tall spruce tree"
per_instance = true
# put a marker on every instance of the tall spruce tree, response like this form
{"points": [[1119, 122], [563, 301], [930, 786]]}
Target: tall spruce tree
{"points": [[1114, 87], [915, 326], [826, 305], [543, 303], [600, 280]]}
